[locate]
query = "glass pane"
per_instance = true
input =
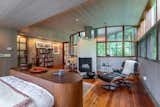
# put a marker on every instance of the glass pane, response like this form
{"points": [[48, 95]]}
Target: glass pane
{"points": [[92, 33], [18, 38], [76, 38], [100, 34], [22, 39], [101, 51], [75, 51], [129, 33], [82, 34], [23, 61], [72, 50], [153, 13], [139, 49], [151, 45], [111, 37], [159, 39], [119, 36], [22, 46], [72, 40], [143, 48], [111, 49], [129, 49], [66, 49], [114, 34], [119, 48], [158, 9], [22, 54]]}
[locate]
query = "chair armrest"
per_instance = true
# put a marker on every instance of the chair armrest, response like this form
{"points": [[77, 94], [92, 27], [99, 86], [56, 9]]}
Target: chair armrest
{"points": [[119, 78]]}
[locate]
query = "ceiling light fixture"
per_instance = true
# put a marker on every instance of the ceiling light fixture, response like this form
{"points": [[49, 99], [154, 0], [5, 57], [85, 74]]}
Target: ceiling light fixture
{"points": [[77, 19]]}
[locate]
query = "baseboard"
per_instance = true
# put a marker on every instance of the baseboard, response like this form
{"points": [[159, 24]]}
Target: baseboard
{"points": [[149, 93]]}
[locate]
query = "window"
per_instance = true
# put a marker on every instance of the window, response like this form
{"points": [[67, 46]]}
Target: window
{"points": [[129, 49], [101, 51], [111, 41], [82, 34], [100, 35], [159, 42], [129, 37], [92, 34], [114, 48], [66, 51], [129, 33], [111, 49], [73, 43], [114, 34], [153, 12], [139, 49], [143, 48], [75, 38], [158, 9], [114, 41], [151, 45]]}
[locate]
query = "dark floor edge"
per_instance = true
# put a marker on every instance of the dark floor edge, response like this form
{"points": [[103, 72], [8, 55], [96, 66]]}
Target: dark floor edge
{"points": [[149, 93]]}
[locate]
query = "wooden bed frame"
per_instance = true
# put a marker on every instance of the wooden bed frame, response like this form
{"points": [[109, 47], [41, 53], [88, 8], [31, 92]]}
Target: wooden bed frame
{"points": [[66, 94]]}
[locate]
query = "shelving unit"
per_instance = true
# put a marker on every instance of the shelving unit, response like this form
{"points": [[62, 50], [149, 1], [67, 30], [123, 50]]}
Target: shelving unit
{"points": [[22, 50], [44, 57]]}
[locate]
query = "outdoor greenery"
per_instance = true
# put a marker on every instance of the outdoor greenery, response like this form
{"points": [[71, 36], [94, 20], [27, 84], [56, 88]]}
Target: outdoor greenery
{"points": [[115, 43], [101, 49]]}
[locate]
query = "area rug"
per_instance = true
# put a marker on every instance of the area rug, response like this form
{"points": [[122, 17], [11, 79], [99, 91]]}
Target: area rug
{"points": [[87, 88]]}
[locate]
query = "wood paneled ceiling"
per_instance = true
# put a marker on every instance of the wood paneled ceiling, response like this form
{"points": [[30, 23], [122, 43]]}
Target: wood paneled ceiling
{"points": [[19, 13], [68, 16]]}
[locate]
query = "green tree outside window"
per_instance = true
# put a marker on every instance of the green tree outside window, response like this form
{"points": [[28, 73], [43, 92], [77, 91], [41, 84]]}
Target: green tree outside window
{"points": [[101, 51]]}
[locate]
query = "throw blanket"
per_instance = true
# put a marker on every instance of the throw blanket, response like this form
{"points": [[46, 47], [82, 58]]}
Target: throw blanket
{"points": [[10, 97], [40, 96], [129, 67]]}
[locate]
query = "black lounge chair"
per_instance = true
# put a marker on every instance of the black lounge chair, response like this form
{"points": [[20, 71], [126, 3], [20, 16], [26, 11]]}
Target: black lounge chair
{"points": [[120, 77]]}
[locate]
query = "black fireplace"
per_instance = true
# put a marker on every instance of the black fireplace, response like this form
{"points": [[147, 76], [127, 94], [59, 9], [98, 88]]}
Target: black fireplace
{"points": [[85, 64]]}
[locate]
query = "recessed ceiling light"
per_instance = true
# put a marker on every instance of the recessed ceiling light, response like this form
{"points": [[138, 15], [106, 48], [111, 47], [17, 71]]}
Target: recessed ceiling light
{"points": [[77, 19]]}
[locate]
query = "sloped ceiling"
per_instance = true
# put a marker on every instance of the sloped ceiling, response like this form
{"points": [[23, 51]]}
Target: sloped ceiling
{"points": [[20, 13], [30, 15]]}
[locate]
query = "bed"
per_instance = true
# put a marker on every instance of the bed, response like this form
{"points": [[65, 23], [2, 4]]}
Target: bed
{"points": [[67, 91], [16, 92]]}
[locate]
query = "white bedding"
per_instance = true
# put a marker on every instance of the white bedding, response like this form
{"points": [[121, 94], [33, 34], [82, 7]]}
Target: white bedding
{"points": [[40, 96]]}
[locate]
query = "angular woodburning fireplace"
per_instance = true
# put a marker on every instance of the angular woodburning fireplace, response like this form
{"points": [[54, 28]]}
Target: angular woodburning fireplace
{"points": [[85, 64]]}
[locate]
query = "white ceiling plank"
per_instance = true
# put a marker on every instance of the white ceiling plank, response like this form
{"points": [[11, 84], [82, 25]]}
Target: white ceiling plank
{"points": [[93, 13]]}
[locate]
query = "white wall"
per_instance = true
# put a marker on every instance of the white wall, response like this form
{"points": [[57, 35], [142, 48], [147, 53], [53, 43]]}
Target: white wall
{"points": [[151, 70], [115, 62], [87, 48]]}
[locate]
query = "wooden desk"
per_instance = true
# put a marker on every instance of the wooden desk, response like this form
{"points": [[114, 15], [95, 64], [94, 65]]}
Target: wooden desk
{"points": [[67, 89]]}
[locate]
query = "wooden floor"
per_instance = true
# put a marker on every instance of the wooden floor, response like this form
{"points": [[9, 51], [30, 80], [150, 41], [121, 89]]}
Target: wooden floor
{"points": [[122, 97]]}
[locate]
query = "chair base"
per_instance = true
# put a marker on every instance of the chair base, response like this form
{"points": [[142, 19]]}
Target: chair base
{"points": [[110, 86], [113, 86]]}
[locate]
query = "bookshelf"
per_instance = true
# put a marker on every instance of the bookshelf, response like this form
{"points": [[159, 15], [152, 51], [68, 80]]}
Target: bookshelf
{"points": [[44, 54], [44, 57]]}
